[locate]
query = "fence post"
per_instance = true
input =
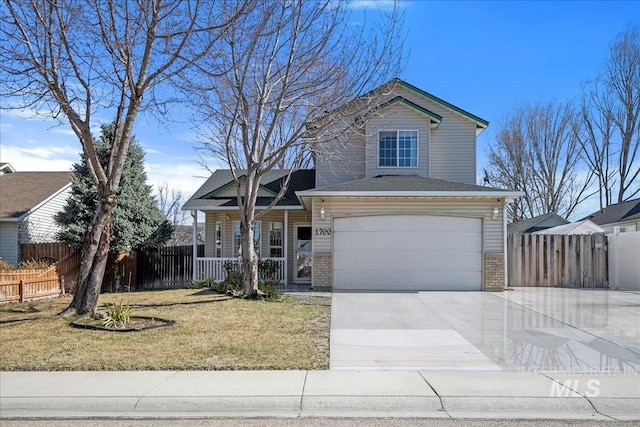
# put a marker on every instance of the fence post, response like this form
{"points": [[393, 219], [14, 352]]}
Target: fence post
{"points": [[21, 291]]}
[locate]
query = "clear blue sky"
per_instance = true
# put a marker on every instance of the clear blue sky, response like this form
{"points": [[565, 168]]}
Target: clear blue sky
{"points": [[482, 56]]}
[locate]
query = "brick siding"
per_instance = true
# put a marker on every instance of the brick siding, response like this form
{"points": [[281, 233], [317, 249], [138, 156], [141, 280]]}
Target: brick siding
{"points": [[493, 271], [322, 270]]}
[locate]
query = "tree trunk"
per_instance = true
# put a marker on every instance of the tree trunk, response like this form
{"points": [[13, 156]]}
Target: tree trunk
{"points": [[93, 261], [249, 259]]}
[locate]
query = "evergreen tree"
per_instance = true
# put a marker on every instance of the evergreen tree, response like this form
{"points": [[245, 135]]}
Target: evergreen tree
{"points": [[137, 221]]}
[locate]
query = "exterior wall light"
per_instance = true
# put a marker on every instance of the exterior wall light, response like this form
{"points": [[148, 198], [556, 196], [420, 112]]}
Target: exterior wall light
{"points": [[322, 212], [496, 212]]}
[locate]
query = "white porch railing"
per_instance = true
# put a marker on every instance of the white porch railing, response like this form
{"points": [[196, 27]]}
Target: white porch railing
{"points": [[214, 268]]}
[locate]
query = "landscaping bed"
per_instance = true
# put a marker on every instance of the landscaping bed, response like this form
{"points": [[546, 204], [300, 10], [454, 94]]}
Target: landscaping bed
{"points": [[211, 332]]}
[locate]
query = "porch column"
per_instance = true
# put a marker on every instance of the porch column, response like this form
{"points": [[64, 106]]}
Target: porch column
{"points": [[286, 247], [194, 273]]}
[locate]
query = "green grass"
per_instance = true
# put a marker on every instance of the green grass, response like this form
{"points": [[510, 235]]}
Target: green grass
{"points": [[210, 333]]}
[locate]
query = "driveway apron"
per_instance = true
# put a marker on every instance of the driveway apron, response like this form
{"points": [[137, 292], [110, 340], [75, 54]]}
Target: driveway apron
{"points": [[527, 329]]}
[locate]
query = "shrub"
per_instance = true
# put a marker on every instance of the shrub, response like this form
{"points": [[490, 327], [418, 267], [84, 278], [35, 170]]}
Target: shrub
{"points": [[269, 289], [267, 270], [233, 283], [118, 315], [207, 282], [5, 266]]}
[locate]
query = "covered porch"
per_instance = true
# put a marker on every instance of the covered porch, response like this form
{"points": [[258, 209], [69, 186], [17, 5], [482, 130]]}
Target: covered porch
{"points": [[282, 235]]}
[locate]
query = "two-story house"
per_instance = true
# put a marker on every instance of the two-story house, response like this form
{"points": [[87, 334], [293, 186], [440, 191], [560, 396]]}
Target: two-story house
{"points": [[391, 207]]}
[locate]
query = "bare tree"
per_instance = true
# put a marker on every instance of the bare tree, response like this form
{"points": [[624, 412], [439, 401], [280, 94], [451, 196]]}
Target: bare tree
{"points": [[170, 203], [100, 58], [610, 131], [283, 66], [537, 152], [595, 134]]}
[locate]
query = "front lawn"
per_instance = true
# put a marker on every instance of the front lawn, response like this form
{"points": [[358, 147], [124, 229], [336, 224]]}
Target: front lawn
{"points": [[210, 333]]}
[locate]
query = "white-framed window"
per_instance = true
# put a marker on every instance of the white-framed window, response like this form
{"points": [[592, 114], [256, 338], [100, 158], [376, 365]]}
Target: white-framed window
{"points": [[218, 234], [276, 237], [398, 148], [237, 238]]}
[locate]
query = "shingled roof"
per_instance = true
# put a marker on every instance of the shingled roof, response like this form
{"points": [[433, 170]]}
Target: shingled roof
{"points": [[20, 192], [620, 212], [271, 182], [403, 183]]}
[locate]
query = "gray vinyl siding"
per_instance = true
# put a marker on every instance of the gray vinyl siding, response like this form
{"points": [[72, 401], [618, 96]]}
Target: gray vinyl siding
{"points": [[451, 153], [9, 242], [346, 207], [295, 217], [398, 117], [452, 143], [39, 226], [339, 161]]}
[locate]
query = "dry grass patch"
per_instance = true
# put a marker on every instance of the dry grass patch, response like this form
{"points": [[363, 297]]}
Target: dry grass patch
{"points": [[211, 332]]}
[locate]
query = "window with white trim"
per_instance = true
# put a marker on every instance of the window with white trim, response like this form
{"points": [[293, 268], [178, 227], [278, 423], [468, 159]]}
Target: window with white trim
{"points": [[276, 235], [237, 238], [218, 234], [398, 148]]}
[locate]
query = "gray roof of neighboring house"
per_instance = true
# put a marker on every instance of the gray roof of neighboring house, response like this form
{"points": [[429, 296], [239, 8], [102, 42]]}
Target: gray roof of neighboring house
{"points": [[620, 212], [404, 183], [533, 224], [205, 197], [23, 191]]}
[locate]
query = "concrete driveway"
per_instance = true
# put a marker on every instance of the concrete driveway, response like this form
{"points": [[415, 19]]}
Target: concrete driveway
{"points": [[526, 329]]}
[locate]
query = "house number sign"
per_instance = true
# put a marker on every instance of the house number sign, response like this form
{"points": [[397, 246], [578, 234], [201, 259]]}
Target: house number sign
{"points": [[323, 232]]}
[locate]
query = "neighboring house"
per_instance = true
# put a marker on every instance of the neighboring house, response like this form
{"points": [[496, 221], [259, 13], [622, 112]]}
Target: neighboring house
{"points": [[580, 227], [394, 208], [537, 223], [6, 168], [625, 215], [28, 203], [183, 235]]}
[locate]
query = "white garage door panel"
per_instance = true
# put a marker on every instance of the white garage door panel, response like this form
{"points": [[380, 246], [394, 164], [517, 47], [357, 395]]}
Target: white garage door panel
{"points": [[407, 252]]}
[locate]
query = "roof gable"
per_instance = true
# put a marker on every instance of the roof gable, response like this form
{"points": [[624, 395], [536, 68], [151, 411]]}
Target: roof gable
{"points": [[434, 118], [21, 192], [480, 122], [212, 195], [537, 223], [221, 190]]}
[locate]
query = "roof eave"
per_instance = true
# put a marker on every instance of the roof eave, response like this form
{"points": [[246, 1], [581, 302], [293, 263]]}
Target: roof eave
{"points": [[203, 208], [305, 196], [481, 124]]}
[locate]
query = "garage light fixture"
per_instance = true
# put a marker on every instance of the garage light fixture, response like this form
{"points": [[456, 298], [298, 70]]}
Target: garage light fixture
{"points": [[322, 209], [496, 212]]}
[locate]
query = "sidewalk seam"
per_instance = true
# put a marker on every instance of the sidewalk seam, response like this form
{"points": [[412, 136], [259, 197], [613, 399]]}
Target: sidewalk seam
{"points": [[581, 395], [304, 385], [436, 393]]}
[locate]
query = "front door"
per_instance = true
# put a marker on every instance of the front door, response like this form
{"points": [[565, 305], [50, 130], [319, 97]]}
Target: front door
{"points": [[303, 254]]}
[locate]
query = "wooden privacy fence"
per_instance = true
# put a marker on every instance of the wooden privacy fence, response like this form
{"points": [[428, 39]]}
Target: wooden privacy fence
{"points": [[23, 285], [166, 267], [562, 260], [66, 258]]}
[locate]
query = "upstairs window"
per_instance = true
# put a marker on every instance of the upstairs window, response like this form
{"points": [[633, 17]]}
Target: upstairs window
{"points": [[398, 149]]}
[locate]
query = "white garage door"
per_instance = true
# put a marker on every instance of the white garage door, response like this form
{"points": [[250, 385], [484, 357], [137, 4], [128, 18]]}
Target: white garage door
{"points": [[407, 252]]}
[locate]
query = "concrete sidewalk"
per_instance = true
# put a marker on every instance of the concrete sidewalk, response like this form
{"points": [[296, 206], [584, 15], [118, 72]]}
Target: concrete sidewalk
{"points": [[201, 394]]}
